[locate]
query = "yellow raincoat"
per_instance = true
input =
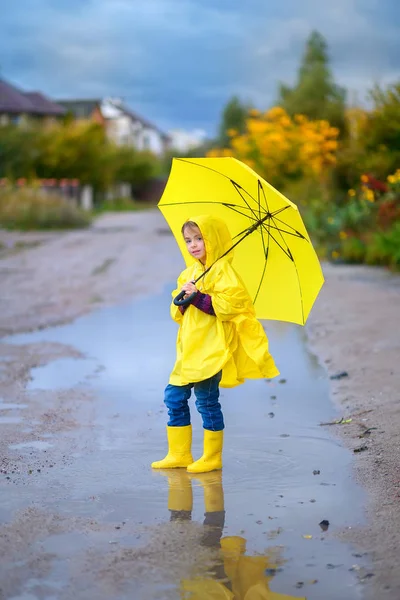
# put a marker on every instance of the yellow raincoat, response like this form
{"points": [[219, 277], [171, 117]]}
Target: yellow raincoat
{"points": [[247, 579], [233, 340]]}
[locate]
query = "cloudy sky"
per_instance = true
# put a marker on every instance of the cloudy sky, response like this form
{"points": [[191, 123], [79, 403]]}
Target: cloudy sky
{"points": [[177, 62]]}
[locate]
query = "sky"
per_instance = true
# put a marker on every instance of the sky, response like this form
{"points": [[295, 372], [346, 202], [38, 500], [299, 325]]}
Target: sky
{"points": [[177, 62]]}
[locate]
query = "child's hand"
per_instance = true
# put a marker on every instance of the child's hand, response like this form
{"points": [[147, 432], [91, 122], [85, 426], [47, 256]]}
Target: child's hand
{"points": [[189, 288]]}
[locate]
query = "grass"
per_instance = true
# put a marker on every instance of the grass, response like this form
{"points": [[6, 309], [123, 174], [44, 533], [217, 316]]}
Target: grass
{"points": [[123, 205], [29, 209]]}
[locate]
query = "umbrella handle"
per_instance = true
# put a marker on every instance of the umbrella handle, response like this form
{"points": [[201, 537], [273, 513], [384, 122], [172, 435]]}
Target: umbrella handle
{"points": [[180, 299]]}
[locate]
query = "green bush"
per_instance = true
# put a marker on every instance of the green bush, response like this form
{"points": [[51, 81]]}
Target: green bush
{"points": [[72, 150], [28, 209], [117, 205], [384, 247], [357, 216], [122, 205], [352, 250]]}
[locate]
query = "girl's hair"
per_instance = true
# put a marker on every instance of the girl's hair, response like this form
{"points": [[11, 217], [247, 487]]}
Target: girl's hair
{"points": [[189, 225]]}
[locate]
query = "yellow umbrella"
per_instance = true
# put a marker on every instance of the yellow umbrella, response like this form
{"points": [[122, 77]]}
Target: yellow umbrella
{"points": [[272, 250]]}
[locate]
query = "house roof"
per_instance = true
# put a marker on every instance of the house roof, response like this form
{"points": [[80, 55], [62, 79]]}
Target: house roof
{"points": [[44, 105], [144, 122], [15, 101], [81, 109]]}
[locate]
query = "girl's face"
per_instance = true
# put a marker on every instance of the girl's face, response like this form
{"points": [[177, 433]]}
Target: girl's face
{"points": [[195, 243]]}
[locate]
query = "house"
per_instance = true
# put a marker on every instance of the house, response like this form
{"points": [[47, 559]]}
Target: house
{"points": [[84, 109], [123, 126], [184, 141], [20, 108]]}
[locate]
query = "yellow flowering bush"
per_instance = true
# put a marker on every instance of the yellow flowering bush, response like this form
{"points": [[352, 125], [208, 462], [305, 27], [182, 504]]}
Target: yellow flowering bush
{"points": [[280, 147], [394, 179]]}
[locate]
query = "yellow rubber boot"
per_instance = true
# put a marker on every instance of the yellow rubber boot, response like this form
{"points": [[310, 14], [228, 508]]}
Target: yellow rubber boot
{"points": [[180, 495], [212, 453], [213, 490], [179, 449]]}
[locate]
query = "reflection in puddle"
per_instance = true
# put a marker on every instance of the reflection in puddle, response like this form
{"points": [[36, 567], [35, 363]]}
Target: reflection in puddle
{"points": [[282, 476], [235, 573], [62, 373], [10, 420], [34, 445], [10, 406]]}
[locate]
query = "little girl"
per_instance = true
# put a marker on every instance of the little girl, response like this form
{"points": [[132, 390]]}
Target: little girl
{"points": [[220, 343]]}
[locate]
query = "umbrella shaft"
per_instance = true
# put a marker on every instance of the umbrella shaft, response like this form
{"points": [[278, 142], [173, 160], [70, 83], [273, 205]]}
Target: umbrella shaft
{"points": [[257, 224], [248, 232]]}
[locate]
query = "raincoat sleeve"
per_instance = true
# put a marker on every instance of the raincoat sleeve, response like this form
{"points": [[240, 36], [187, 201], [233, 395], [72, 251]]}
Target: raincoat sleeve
{"points": [[176, 314], [229, 296]]}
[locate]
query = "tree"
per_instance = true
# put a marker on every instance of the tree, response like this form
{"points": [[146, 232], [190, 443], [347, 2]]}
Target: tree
{"points": [[315, 93], [373, 144], [383, 127], [282, 149], [134, 167], [71, 150], [78, 150], [18, 151], [234, 118]]}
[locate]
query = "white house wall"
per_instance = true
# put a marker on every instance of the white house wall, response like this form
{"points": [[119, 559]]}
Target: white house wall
{"points": [[126, 131]]}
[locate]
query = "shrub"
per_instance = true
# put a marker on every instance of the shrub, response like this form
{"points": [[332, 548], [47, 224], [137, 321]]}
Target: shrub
{"points": [[384, 248], [122, 205], [28, 209], [353, 250]]}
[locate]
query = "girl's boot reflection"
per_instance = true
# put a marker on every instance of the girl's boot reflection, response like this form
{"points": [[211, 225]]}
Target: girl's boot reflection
{"points": [[214, 507], [180, 495], [214, 519]]}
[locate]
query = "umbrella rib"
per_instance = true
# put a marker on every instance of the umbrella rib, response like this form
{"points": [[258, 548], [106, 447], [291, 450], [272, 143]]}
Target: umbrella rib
{"points": [[246, 192], [258, 196], [248, 217], [287, 251], [289, 254], [300, 292], [218, 173], [266, 254], [279, 210], [280, 231], [227, 204], [260, 185], [237, 188], [233, 207], [261, 282], [268, 212], [296, 233], [297, 272]]}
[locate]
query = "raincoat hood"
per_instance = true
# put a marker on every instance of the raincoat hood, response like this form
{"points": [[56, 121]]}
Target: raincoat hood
{"points": [[216, 236]]}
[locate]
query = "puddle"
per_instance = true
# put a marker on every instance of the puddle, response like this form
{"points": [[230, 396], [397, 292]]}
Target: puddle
{"points": [[34, 445], [9, 420], [257, 523], [62, 373], [10, 406]]}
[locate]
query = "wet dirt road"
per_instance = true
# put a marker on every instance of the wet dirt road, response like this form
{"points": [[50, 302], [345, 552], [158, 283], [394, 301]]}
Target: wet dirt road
{"points": [[83, 515]]}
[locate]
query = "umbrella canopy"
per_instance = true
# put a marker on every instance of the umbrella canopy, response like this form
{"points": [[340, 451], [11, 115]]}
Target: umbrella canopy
{"points": [[273, 253]]}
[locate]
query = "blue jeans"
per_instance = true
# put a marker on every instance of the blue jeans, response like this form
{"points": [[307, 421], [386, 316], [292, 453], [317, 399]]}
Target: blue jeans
{"points": [[207, 394]]}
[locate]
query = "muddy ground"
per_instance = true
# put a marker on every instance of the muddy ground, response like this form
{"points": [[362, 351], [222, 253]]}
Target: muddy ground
{"points": [[355, 328], [49, 279]]}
